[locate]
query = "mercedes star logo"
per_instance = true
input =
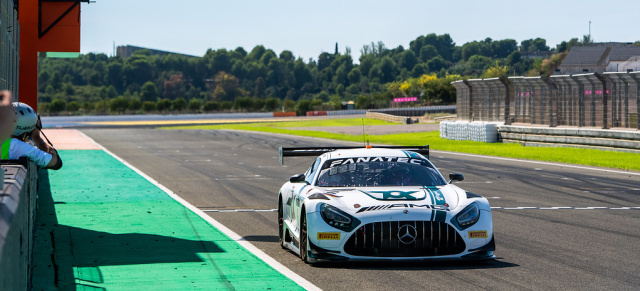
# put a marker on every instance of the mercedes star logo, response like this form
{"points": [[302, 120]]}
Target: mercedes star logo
{"points": [[407, 234]]}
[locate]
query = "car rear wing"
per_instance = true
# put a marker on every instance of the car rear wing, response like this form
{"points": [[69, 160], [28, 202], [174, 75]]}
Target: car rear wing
{"points": [[316, 151]]}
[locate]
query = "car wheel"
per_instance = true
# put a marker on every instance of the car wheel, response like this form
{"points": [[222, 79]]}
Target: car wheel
{"points": [[304, 239], [281, 224]]}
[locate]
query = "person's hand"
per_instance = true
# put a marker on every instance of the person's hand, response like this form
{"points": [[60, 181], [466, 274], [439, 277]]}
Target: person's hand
{"points": [[7, 115], [5, 98]]}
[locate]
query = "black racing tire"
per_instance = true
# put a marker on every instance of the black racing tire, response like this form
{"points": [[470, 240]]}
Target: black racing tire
{"points": [[304, 239], [281, 224]]}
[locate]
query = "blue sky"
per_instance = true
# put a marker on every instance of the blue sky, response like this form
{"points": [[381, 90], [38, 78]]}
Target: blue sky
{"points": [[308, 28]]}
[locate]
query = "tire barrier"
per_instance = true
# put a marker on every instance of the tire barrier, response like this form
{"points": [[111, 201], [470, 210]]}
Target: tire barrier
{"points": [[473, 131]]}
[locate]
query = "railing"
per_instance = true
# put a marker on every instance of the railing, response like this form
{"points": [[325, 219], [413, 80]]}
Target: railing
{"points": [[608, 100]]}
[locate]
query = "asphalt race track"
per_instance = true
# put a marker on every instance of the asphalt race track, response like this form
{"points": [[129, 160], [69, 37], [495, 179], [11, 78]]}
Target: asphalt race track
{"points": [[556, 227]]}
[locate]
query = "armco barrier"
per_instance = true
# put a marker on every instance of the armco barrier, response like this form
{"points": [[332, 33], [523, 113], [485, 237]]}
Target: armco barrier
{"points": [[594, 138], [17, 221], [316, 113], [284, 114]]}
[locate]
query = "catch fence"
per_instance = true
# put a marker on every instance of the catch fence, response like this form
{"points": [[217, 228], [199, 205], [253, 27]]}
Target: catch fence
{"points": [[608, 100], [9, 46]]}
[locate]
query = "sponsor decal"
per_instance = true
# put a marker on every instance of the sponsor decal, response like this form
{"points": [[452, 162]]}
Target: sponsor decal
{"points": [[478, 234], [396, 195], [328, 236], [415, 160], [403, 206]]}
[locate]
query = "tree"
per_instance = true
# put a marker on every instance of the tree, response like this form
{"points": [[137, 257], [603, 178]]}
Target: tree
{"points": [[225, 86], [194, 105], [363, 102], [354, 76], [174, 86], [476, 48], [119, 104], [289, 105], [504, 48], [586, 39], [148, 106], [428, 52], [149, 91], [303, 106], [179, 104], [57, 106], [163, 105], [534, 45], [135, 104], [138, 69], [226, 105], [436, 64], [211, 106], [73, 106], [495, 71], [407, 59], [244, 103], [271, 104], [258, 104]]}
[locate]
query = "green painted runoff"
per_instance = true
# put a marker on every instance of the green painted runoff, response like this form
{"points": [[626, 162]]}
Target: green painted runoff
{"points": [[101, 226]]}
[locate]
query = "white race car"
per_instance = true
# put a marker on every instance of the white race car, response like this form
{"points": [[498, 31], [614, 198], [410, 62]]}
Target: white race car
{"points": [[381, 203]]}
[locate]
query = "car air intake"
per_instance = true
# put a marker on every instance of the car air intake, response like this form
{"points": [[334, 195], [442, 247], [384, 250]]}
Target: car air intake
{"points": [[405, 239]]}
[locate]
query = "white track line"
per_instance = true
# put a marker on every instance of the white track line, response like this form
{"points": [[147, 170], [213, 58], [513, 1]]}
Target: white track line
{"points": [[565, 208], [234, 236], [538, 162]]}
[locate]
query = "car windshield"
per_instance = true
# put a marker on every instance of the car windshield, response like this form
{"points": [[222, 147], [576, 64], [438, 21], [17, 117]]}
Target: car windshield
{"points": [[418, 172]]}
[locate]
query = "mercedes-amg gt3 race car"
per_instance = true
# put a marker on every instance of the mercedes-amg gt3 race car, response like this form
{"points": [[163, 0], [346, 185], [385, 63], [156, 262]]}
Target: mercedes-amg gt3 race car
{"points": [[380, 203]]}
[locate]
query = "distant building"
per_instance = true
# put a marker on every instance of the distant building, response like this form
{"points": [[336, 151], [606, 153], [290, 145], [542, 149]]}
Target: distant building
{"points": [[128, 50], [601, 57]]}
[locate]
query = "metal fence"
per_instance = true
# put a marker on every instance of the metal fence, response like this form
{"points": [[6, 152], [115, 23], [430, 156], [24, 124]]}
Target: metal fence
{"points": [[9, 46], [608, 100]]}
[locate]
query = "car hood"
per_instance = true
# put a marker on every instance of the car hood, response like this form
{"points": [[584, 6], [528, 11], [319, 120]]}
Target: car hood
{"points": [[446, 195]]}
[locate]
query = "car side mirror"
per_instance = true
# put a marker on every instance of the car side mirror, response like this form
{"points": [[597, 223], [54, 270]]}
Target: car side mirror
{"points": [[297, 178], [455, 177]]}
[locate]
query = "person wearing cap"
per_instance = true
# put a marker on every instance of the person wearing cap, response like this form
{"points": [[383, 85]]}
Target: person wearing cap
{"points": [[28, 125]]}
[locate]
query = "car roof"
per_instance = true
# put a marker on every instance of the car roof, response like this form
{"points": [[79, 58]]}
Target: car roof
{"points": [[369, 152]]}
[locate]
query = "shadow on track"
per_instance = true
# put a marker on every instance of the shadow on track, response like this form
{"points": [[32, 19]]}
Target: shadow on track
{"points": [[432, 265], [407, 265]]}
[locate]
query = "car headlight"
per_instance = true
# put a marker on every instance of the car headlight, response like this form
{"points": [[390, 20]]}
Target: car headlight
{"points": [[468, 216], [338, 218]]}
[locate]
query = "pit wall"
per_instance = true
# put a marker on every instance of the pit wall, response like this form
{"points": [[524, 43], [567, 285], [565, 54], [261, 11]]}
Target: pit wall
{"points": [[17, 221]]}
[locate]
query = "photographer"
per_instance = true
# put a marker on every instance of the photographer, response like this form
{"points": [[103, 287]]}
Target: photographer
{"points": [[28, 126]]}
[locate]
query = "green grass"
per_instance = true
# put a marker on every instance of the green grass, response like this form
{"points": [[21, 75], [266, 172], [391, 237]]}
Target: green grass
{"points": [[588, 157], [324, 122]]}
